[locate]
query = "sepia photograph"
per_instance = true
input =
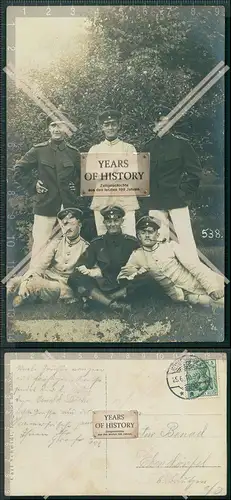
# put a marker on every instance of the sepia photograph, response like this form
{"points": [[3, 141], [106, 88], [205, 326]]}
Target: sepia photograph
{"points": [[115, 173]]}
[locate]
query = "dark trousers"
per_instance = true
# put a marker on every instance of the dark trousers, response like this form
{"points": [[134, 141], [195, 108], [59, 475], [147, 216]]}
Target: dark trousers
{"points": [[83, 285]]}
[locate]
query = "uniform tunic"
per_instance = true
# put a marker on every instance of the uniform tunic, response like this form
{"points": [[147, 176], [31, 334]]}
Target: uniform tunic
{"points": [[115, 147], [175, 172], [59, 259], [173, 269], [109, 253], [56, 165]]}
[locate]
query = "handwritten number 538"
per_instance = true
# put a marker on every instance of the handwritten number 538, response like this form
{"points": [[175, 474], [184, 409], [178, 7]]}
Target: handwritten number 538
{"points": [[210, 233]]}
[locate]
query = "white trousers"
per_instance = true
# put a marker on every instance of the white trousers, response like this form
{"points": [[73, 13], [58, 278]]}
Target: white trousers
{"points": [[42, 231], [181, 225], [128, 226]]}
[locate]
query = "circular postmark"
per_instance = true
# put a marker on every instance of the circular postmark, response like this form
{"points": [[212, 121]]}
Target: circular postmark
{"points": [[188, 377]]}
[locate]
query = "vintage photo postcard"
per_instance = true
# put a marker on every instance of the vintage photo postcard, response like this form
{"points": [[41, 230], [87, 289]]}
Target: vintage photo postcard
{"points": [[115, 173], [156, 428]]}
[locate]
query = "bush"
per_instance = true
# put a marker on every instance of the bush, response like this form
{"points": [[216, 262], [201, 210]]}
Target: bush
{"points": [[138, 59]]}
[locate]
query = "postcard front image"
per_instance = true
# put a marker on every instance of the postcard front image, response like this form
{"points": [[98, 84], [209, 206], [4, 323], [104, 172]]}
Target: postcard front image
{"points": [[115, 166]]}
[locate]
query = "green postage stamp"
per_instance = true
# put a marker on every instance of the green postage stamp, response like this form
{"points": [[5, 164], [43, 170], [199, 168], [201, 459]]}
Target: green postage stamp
{"points": [[191, 377]]}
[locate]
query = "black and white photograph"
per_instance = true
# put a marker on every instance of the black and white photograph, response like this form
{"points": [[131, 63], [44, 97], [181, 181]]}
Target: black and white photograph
{"points": [[115, 173]]}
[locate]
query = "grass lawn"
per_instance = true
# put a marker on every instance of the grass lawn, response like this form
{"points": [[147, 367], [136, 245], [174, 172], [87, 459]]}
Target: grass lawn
{"points": [[154, 318]]}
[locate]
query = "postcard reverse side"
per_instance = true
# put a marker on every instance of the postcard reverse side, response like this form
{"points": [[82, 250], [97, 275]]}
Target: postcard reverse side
{"points": [[115, 426]]}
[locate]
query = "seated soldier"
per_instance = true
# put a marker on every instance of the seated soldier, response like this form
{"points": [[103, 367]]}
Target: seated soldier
{"points": [[47, 278], [182, 278], [100, 264]]}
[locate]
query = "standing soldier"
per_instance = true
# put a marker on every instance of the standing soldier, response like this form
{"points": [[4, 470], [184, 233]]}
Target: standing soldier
{"points": [[50, 172], [175, 173], [110, 122]]}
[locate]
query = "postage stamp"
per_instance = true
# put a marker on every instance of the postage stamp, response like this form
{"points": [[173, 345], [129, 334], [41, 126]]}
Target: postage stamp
{"points": [[191, 377], [213, 385]]}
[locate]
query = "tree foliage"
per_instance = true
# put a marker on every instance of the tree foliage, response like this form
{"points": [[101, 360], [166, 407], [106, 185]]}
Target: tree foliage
{"points": [[137, 59]]}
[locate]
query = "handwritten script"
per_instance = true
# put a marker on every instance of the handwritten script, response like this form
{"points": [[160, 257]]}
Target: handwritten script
{"points": [[93, 426], [47, 399]]}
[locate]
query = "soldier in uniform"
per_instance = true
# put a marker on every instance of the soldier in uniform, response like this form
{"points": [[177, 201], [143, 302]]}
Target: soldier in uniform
{"points": [[47, 279], [183, 278], [175, 173], [99, 266], [110, 123], [50, 172]]}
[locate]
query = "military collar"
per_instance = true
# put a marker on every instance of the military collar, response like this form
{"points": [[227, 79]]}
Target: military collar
{"points": [[153, 249], [113, 236], [71, 243], [57, 145], [112, 143]]}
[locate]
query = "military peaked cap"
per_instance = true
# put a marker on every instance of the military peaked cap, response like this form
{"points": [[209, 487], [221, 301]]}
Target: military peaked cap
{"points": [[109, 114], [147, 221], [112, 212], [70, 212]]}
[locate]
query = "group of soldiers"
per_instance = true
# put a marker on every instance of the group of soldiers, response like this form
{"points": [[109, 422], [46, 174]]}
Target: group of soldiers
{"points": [[126, 254]]}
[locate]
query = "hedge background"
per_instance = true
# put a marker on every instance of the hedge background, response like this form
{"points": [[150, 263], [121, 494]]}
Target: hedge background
{"points": [[136, 59]]}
